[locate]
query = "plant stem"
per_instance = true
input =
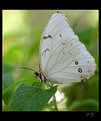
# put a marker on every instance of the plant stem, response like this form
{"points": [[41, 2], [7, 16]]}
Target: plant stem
{"points": [[55, 103]]}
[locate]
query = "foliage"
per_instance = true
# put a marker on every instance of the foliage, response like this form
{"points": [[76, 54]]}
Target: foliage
{"points": [[21, 39], [29, 98]]}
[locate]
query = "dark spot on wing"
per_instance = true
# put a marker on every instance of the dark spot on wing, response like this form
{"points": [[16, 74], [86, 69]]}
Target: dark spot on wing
{"points": [[45, 51], [70, 53], [71, 44], [63, 52], [60, 35], [49, 36], [57, 11], [76, 62], [87, 61], [45, 37], [63, 43], [80, 70], [83, 79]]}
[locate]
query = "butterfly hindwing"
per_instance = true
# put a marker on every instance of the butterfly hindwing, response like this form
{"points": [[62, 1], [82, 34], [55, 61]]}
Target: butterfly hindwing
{"points": [[63, 58]]}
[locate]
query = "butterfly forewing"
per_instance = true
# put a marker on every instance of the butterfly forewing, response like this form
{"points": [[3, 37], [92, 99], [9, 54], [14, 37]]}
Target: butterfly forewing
{"points": [[63, 58]]}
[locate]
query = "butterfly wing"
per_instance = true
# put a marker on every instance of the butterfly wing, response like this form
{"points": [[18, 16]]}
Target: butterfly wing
{"points": [[63, 58]]}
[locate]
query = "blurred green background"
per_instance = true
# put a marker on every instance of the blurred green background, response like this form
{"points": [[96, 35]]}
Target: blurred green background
{"points": [[22, 30]]}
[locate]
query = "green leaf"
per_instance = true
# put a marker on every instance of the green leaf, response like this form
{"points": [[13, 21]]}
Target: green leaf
{"points": [[16, 84], [85, 35], [7, 68], [28, 98], [7, 81], [88, 104]]}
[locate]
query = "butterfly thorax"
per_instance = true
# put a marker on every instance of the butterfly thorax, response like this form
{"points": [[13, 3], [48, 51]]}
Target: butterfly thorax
{"points": [[41, 77]]}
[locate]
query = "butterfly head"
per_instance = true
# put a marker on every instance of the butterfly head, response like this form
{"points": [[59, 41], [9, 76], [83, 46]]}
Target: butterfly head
{"points": [[37, 74], [41, 77]]}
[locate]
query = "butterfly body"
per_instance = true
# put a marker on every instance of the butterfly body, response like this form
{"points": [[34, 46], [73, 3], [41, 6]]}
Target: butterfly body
{"points": [[41, 77]]}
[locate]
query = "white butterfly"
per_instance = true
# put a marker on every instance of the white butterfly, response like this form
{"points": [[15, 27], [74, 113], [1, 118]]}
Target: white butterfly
{"points": [[62, 57]]}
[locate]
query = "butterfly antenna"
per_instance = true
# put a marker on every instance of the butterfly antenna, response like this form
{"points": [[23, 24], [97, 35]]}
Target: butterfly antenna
{"points": [[27, 68]]}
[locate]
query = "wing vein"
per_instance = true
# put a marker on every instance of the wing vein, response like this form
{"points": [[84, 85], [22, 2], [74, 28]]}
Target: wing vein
{"points": [[51, 29], [54, 51], [63, 56], [69, 64]]}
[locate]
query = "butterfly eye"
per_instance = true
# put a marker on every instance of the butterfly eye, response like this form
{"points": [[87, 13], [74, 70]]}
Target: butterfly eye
{"points": [[37, 74]]}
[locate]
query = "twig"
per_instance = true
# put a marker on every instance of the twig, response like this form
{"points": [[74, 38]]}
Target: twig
{"points": [[54, 97]]}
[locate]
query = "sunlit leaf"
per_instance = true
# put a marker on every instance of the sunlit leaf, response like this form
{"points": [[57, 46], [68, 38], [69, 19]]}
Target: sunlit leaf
{"points": [[7, 81], [30, 98], [16, 84], [84, 105], [7, 68]]}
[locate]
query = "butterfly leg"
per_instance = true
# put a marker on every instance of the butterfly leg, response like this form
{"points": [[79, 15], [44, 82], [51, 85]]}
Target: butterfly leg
{"points": [[38, 84], [48, 85]]}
